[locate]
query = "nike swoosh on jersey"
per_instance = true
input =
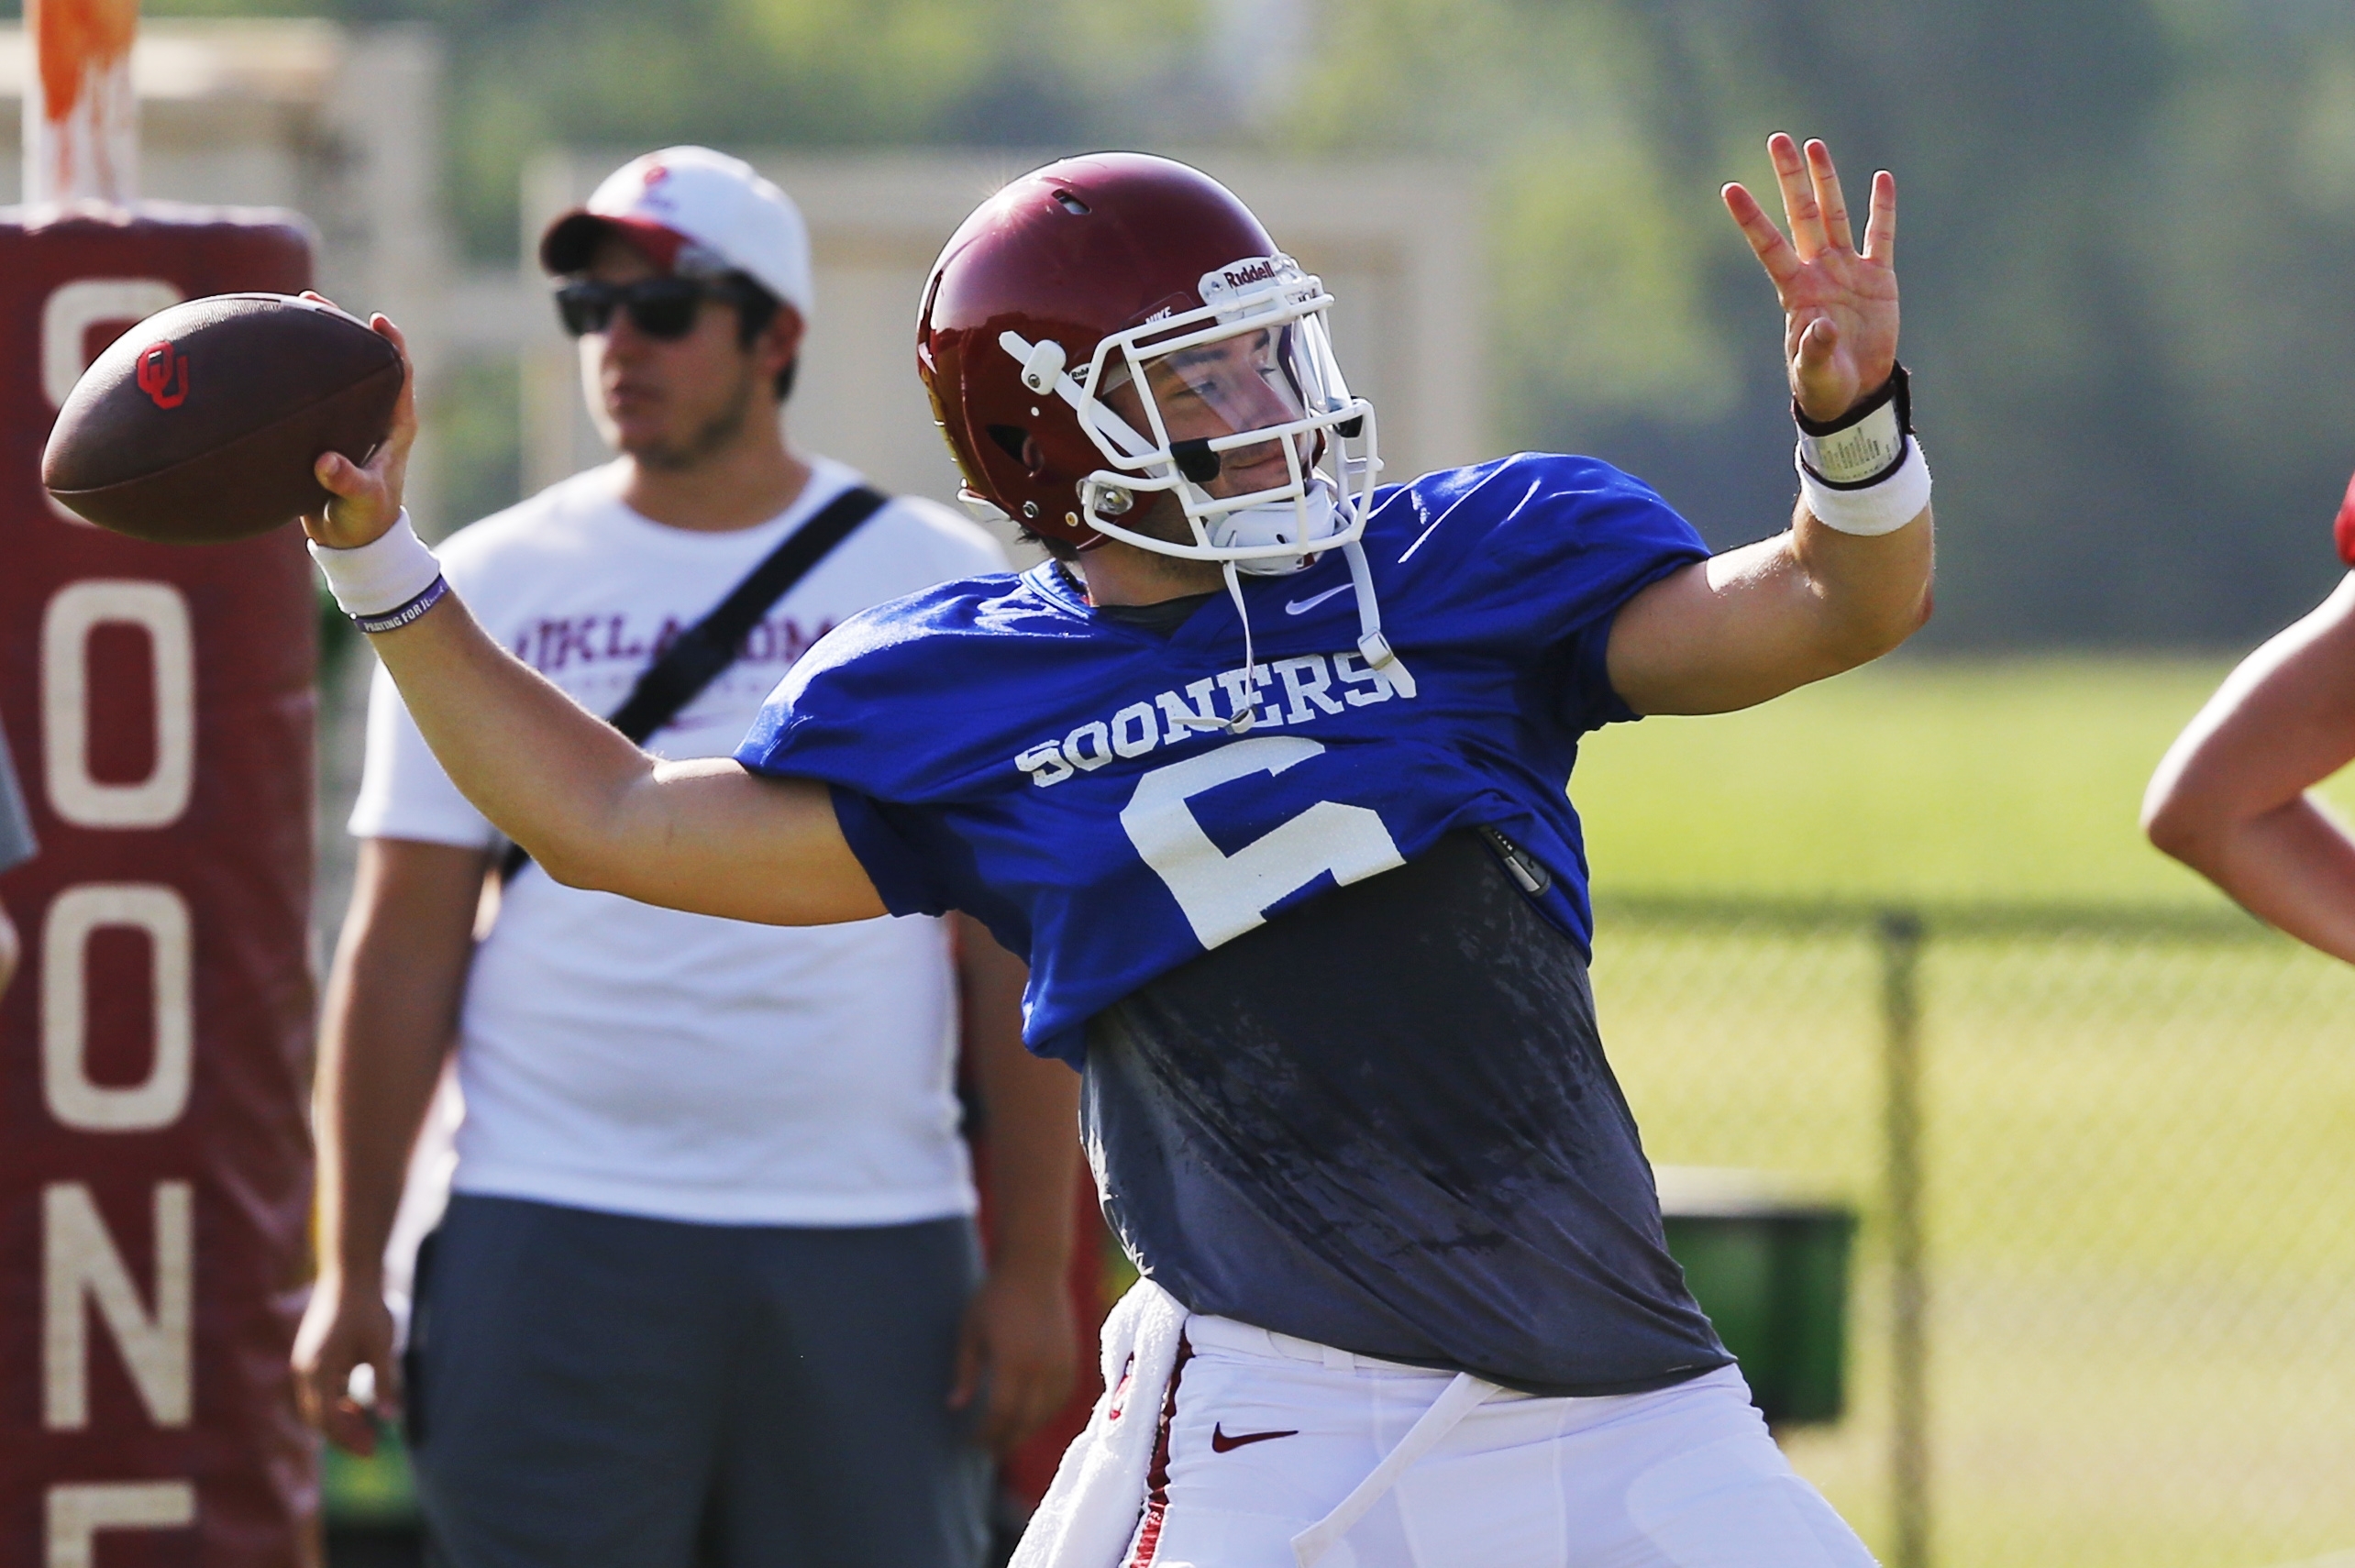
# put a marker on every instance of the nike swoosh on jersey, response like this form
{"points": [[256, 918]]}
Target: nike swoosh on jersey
{"points": [[1221, 1443], [1303, 606]]}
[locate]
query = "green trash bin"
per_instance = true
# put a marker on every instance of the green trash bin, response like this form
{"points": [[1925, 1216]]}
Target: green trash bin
{"points": [[370, 1506], [1768, 1262]]}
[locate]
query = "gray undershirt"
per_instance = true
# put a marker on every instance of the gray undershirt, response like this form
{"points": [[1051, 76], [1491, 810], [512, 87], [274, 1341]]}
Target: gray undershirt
{"points": [[1383, 1121]]}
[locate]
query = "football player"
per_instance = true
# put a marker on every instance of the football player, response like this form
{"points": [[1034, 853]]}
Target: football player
{"points": [[1264, 771], [2233, 797]]}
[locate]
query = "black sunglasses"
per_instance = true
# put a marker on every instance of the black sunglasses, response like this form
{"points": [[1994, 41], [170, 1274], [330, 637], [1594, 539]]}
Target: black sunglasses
{"points": [[660, 307]]}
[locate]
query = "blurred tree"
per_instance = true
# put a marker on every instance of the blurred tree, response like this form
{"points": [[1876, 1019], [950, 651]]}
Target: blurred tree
{"points": [[526, 73], [1602, 275], [2125, 237], [2127, 223]]}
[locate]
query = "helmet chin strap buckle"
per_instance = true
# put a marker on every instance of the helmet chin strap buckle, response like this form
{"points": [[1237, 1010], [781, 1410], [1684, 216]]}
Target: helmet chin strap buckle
{"points": [[1376, 650], [1372, 645]]}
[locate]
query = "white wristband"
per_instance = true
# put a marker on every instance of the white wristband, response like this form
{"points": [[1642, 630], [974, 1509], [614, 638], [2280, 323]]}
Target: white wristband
{"points": [[1881, 508], [381, 576]]}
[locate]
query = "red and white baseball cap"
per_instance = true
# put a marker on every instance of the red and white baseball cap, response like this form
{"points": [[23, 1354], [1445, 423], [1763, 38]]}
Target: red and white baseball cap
{"points": [[694, 212]]}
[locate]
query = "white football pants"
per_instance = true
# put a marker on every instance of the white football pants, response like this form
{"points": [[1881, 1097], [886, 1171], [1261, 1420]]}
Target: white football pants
{"points": [[1278, 1452]]}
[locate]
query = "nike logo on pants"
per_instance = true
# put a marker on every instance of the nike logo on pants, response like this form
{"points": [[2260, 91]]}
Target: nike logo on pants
{"points": [[1221, 1443]]}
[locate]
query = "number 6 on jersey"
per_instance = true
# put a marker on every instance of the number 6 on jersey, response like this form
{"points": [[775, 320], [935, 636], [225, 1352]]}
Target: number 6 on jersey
{"points": [[1223, 895]]}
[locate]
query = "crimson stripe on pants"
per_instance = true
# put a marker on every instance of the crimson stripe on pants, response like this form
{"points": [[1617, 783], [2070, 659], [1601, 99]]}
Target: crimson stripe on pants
{"points": [[1156, 1480]]}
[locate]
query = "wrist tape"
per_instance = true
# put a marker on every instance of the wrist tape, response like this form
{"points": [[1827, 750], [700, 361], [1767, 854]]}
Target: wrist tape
{"points": [[1864, 472], [387, 582]]}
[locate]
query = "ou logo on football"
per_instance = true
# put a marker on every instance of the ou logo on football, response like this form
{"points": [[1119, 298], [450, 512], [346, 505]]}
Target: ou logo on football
{"points": [[156, 363], [1226, 895]]}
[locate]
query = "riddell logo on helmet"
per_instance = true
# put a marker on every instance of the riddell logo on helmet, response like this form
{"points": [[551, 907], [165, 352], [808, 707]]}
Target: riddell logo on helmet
{"points": [[1236, 278]]}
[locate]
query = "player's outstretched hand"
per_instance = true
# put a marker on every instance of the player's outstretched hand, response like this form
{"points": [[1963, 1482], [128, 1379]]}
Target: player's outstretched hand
{"points": [[366, 500], [1840, 307]]}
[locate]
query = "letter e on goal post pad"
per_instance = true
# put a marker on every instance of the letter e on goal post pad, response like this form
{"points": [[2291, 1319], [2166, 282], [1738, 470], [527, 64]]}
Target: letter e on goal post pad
{"points": [[154, 1047]]}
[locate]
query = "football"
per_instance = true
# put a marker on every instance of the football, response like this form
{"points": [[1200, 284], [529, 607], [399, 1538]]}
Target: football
{"points": [[202, 423]]}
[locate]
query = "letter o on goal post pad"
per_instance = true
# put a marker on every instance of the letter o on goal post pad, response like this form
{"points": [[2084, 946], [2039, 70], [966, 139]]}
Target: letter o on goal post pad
{"points": [[154, 1049]]}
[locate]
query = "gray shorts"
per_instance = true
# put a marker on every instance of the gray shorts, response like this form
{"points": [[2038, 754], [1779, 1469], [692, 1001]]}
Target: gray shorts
{"points": [[591, 1390]]}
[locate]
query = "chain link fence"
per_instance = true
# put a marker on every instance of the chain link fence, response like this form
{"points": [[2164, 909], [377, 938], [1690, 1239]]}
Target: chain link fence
{"points": [[2104, 1301]]}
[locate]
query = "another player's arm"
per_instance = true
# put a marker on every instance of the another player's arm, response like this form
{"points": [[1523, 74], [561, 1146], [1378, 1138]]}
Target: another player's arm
{"points": [[1754, 622], [2231, 797], [592, 809]]}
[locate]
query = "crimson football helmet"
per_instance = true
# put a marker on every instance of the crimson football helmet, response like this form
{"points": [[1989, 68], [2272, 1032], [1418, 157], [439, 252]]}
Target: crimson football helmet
{"points": [[1116, 328]]}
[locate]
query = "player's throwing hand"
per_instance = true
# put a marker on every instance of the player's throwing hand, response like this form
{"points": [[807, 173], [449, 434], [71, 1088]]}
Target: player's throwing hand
{"points": [[365, 499], [1840, 307]]}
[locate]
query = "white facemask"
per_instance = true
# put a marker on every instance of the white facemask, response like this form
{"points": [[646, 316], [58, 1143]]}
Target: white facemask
{"points": [[1256, 356]]}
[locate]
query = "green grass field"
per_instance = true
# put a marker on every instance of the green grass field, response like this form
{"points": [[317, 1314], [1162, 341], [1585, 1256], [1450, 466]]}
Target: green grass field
{"points": [[1943, 779], [2139, 1148]]}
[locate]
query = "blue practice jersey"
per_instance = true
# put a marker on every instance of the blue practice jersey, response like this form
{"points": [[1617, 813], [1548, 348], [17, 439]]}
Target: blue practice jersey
{"points": [[998, 747], [1343, 1078]]}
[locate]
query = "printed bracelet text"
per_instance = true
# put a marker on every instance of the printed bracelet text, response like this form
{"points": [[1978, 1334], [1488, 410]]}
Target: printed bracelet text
{"points": [[393, 620], [1865, 445]]}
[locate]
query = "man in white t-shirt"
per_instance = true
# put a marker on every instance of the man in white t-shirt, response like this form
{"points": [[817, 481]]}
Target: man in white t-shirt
{"points": [[708, 1287]]}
